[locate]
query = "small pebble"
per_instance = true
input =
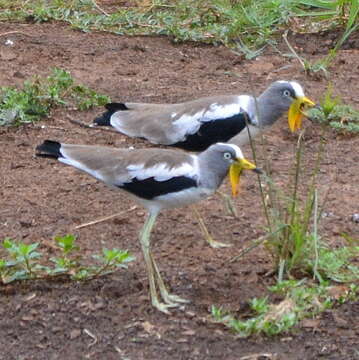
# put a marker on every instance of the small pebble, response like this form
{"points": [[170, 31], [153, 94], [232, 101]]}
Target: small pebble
{"points": [[9, 42], [355, 218]]}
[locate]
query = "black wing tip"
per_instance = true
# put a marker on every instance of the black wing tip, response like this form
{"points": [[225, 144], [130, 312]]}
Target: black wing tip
{"points": [[115, 106], [105, 118], [49, 149]]}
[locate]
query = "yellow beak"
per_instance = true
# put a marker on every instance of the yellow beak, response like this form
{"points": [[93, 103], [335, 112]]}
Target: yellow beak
{"points": [[235, 172], [295, 112]]}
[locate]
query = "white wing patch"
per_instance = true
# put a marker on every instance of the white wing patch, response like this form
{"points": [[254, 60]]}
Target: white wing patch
{"points": [[218, 111], [160, 172], [190, 124]]}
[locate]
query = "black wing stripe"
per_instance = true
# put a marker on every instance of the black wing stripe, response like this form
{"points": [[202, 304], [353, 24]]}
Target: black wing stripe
{"points": [[219, 130], [150, 188]]}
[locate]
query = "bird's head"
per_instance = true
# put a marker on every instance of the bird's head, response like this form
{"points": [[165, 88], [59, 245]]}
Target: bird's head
{"points": [[232, 157], [288, 96]]}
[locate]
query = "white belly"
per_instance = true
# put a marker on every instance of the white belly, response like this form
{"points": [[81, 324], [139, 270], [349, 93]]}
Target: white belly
{"points": [[177, 199]]}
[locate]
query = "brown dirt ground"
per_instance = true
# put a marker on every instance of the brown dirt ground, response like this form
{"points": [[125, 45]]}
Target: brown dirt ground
{"points": [[41, 199]]}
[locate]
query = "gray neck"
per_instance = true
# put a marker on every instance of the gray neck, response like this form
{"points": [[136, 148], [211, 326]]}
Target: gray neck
{"points": [[268, 110], [213, 170]]}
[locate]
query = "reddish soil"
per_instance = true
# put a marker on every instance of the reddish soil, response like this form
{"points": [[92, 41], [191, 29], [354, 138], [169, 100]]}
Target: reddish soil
{"points": [[40, 199]]}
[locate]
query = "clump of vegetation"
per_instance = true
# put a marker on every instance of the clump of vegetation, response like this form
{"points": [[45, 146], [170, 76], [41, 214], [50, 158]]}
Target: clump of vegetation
{"points": [[39, 95], [300, 300], [23, 261], [293, 238], [307, 267], [334, 113]]}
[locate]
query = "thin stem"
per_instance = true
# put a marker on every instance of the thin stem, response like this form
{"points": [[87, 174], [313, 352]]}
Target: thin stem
{"points": [[251, 142], [296, 178], [281, 270], [315, 232], [255, 244], [28, 267], [292, 50], [102, 269]]}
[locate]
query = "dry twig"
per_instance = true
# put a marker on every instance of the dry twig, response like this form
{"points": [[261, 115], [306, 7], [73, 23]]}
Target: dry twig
{"points": [[84, 125], [99, 8], [105, 218], [14, 32]]}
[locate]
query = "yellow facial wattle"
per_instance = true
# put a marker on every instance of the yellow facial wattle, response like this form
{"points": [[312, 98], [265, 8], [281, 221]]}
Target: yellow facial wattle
{"points": [[235, 172], [234, 176], [295, 113]]}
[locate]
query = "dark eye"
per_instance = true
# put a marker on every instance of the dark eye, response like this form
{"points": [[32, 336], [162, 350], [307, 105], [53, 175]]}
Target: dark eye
{"points": [[286, 93], [227, 155]]}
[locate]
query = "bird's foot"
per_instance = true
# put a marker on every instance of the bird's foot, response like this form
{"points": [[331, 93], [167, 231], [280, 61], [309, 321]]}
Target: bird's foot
{"points": [[230, 208], [174, 299], [164, 307], [217, 244], [228, 204]]}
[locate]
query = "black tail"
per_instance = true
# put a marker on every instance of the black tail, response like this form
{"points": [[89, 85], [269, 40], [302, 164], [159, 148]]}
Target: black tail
{"points": [[104, 119], [49, 149]]}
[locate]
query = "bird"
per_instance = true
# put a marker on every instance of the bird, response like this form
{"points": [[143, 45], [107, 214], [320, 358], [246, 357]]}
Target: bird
{"points": [[157, 179], [195, 125]]}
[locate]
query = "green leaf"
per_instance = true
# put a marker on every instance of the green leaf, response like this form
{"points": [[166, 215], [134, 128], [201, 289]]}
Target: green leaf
{"points": [[67, 243]]}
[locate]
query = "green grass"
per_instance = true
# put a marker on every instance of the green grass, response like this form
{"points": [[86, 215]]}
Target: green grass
{"points": [[246, 25], [299, 300], [25, 262], [39, 95]]}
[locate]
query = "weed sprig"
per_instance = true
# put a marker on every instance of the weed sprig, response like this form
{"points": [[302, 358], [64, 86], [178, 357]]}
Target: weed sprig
{"points": [[334, 113]]}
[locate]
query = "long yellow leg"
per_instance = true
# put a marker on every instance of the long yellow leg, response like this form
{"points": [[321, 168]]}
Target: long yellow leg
{"points": [[151, 266], [228, 204], [213, 243], [166, 296]]}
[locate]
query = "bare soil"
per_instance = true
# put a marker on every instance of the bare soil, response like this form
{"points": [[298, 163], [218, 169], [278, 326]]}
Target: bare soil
{"points": [[111, 317]]}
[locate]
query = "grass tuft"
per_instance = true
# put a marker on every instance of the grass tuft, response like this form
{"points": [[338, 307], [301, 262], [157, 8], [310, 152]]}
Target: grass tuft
{"points": [[39, 95], [300, 300]]}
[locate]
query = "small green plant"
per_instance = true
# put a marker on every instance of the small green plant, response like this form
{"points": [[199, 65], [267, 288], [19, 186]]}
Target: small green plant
{"points": [[334, 113], [65, 263], [24, 262], [40, 95], [299, 300]]}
